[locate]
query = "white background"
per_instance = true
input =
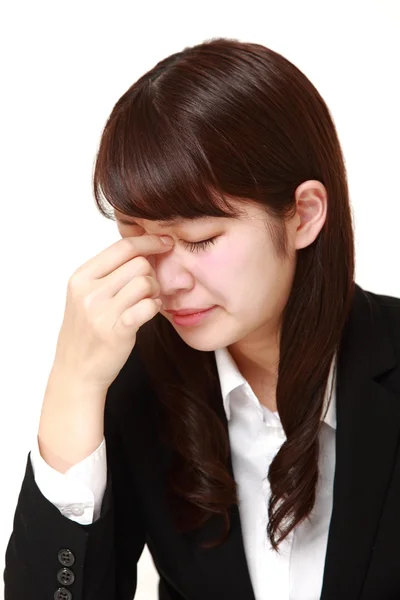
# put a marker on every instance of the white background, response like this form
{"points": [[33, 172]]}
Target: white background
{"points": [[63, 67]]}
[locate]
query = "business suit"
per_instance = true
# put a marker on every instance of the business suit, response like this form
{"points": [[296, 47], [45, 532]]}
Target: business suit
{"points": [[363, 552]]}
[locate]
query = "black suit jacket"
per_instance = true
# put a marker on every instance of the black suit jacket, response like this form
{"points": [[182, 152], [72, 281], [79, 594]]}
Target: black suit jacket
{"points": [[363, 552]]}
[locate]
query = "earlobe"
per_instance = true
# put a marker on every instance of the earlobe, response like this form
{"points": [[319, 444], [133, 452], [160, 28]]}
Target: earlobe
{"points": [[311, 202]]}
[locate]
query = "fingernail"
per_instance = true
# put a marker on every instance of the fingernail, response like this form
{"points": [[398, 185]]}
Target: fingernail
{"points": [[167, 240]]}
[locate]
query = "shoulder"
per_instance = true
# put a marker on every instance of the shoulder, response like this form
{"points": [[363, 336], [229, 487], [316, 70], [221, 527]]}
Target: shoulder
{"points": [[384, 316], [389, 306]]}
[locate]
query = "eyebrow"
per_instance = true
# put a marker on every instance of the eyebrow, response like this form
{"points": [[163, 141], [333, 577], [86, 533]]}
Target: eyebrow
{"points": [[163, 224]]}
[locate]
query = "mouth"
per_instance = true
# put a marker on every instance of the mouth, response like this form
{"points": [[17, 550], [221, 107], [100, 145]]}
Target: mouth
{"points": [[187, 311], [190, 317]]}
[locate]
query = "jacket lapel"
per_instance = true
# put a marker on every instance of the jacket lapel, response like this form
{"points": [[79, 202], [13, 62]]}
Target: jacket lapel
{"points": [[368, 425]]}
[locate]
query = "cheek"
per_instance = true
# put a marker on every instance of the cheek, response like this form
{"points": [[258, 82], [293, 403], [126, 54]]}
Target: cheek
{"points": [[219, 270], [231, 271]]}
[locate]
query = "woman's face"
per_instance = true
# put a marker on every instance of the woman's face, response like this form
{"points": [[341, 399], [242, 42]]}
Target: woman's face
{"points": [[237, 273]]}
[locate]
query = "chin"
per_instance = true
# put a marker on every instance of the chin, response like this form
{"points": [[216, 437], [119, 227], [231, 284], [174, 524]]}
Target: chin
{"points": [[206, 340], [206, 346]]}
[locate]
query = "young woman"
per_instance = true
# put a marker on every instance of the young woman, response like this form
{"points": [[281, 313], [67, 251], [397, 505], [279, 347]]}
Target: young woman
{"points": [[222, 390]]}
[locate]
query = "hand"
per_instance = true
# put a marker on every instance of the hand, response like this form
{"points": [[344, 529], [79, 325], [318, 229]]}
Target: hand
{"points": [[108, 299]]}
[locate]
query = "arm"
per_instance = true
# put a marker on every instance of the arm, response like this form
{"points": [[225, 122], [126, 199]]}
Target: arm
{"points": [[104, 553]]}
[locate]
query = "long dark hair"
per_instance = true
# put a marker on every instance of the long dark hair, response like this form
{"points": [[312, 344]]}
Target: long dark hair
{"points": [[220, 120]]}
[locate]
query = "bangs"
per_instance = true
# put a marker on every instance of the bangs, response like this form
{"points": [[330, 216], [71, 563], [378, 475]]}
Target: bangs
{"points": [[151, 168]]}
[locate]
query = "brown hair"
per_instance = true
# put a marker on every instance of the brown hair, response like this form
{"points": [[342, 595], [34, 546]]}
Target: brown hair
{"points": [[219, 120]]}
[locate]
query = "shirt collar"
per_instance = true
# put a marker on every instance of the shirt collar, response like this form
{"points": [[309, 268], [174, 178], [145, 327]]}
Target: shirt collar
{"points": [[231, 378]]}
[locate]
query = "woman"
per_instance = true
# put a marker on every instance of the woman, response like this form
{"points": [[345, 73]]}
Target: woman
{"points": [[232, 397]]}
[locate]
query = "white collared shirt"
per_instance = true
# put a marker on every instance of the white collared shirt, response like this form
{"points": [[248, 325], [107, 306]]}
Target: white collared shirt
{"points": [[255, 435]]}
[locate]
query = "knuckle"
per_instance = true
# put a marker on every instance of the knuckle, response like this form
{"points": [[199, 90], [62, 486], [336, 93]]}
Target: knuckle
{"points": [[87, 302], [156, 286], [146, 284], [148, 305], [74, 280], [75, 284], [127, 319], [142, 265]]}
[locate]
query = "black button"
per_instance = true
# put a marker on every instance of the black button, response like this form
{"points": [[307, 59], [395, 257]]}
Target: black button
{"points": [[66, 576], [66, 557], [62, 594]]}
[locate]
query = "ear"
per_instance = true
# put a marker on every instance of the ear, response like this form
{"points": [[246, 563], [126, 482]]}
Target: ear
{"points": [[311, 204]]}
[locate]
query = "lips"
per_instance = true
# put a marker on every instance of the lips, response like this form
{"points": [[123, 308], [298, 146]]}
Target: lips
{"points": [[187, 311]]}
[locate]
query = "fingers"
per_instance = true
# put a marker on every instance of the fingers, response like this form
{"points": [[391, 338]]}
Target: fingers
{"points": [[121, 252]]}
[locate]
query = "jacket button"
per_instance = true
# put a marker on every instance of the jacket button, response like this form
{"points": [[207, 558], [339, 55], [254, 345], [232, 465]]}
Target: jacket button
{"points": [[66, 576], [66, 558], [62, 594]]}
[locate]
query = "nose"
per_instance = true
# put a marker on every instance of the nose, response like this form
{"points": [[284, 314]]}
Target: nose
{"points": [[171, 273]]}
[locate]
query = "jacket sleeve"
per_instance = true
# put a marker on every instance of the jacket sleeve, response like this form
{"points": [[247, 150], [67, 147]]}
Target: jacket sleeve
{"points": [[51, 556]]}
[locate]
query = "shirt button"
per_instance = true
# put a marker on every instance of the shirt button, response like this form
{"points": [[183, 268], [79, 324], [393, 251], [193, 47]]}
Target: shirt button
{"points": [[65, 557], [77, 509], [73, 509]]}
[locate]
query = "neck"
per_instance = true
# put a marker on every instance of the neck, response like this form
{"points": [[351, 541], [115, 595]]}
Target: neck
{"points": [[258, 360], [260, 351]]}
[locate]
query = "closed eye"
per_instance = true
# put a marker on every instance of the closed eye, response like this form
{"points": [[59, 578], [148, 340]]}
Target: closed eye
{"points": [[198, 246], [192, 246]]}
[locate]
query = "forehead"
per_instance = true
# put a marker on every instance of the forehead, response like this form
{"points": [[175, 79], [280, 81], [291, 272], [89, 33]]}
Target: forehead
{"points": [[246, 212]]}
